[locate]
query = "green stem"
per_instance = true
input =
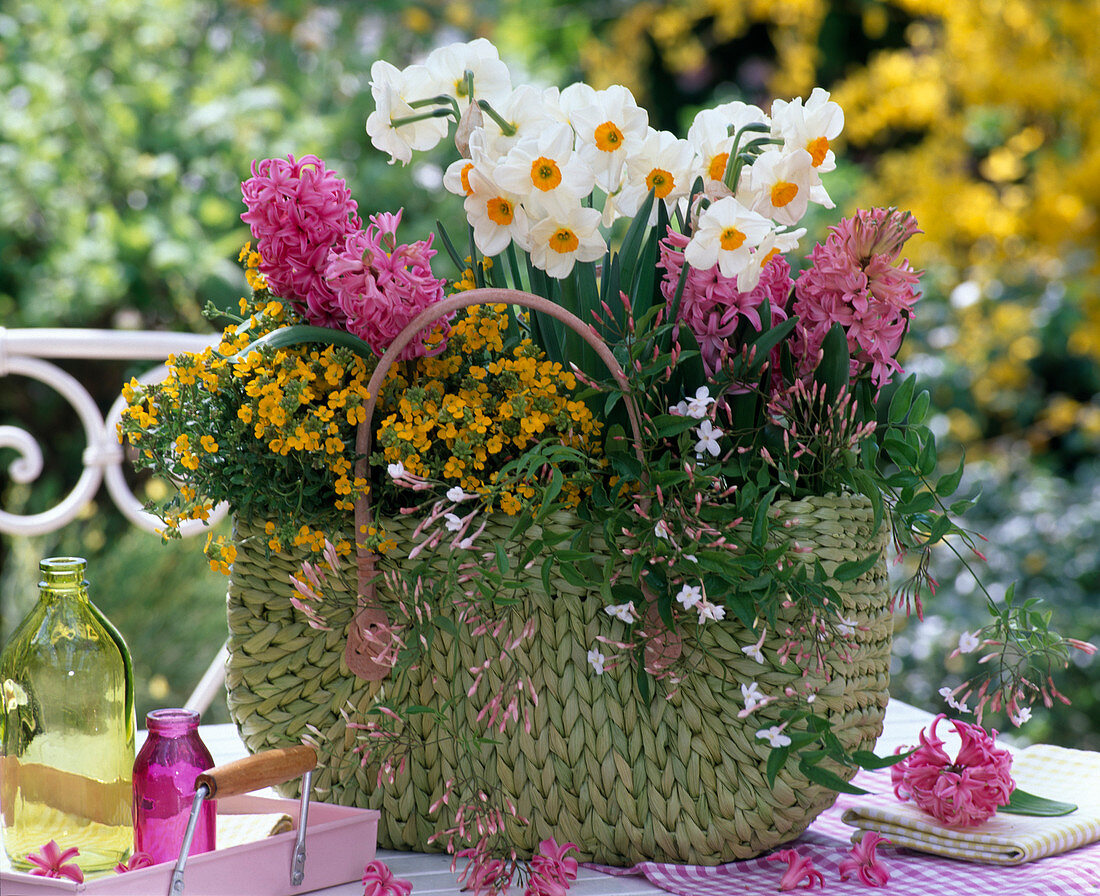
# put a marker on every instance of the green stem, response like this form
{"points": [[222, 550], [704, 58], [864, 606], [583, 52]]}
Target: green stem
{"points": [[509, 130]]}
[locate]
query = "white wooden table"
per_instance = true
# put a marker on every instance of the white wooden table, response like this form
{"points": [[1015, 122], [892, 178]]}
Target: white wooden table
{"points": [[431, 875]]}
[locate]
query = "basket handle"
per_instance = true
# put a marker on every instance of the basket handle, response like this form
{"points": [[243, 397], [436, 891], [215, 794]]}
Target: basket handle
{"points": [[368, 635]]}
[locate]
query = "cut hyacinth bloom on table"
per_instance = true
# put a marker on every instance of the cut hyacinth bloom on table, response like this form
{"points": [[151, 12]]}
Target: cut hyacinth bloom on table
{"points": [[1006, 839]]}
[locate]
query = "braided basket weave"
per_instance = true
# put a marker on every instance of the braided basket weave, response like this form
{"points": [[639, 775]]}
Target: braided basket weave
{"points": [[680, 779]]}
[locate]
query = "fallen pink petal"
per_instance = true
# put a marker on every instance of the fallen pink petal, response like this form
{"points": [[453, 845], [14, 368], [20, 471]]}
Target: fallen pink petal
{"points": [[137, 860], [552, 870], [800, 870], [53, 862], [863, 862], [378, 880]]}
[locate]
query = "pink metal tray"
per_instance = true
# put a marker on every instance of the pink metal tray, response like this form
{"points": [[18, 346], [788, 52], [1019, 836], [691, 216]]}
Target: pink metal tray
{"points": [[338, 842]]}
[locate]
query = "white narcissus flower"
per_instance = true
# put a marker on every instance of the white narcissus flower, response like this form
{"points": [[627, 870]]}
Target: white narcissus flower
{"points": [[710, 134], [564, 236], [811, 127], [457, 177], [447, 67], [610, 126], [664, 164], [545, 165], [708, 439], [528, 112], [393, 90], [775, 243], [780, 184], [725, 236], [495, 214]]}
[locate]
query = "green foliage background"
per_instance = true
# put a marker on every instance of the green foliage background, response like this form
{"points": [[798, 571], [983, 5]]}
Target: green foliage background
{"points": [[126, 127]]}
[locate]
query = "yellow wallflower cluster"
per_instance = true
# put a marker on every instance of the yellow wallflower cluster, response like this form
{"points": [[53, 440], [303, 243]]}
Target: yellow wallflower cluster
{"points": [[274, 427], [460, 416]]}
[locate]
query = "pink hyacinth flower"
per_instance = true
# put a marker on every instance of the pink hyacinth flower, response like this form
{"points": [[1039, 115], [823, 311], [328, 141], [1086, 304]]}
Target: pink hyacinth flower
{"points": [[857, 280], [378, 880], [552, 870], [963, 792], [137, 860], [800, 870], [381, 285], [297, 211], [51, 862], [863, 862]]}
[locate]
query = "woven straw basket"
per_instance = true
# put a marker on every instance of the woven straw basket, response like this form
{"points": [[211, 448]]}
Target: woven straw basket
{"points": [[681, 779]]}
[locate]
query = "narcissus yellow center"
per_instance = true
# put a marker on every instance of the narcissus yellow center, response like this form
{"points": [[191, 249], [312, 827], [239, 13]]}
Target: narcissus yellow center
{"points": [[731, 239], [817, 148], [564, 240], [500, 211], [717, 168], [783, 192], [608, 136], [660, 182], [545, 173]]}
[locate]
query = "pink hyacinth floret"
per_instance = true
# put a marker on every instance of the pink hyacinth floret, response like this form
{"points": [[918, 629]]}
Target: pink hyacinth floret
{"points": [[863, 862], [963, 792], [380, 286], [857, 280], [378, 880], [53, 862], [552, 869], [712, 306], [800, 870], [297, 211], [137, 861]]}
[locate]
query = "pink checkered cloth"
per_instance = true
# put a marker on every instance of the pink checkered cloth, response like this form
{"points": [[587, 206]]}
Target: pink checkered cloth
{"points": [[828, 840]]}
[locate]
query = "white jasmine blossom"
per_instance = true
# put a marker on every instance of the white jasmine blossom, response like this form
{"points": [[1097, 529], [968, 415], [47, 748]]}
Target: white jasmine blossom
{"points": [[754, 650], [710, 612], [597, 660], [845, 627], [969, 642], [708, 435], [690, 595], [774, 736], [396, 471], [455, 494], [454, 523], [949, 698], [625, 612]]}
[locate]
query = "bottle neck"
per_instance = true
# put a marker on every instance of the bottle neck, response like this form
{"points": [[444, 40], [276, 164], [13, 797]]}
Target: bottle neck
{"points": [[63, 577], [172, 722]]}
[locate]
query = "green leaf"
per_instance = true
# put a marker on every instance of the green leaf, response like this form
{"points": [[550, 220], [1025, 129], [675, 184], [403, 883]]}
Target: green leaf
{"points": [[301, 334], [502, 558], [902, 400], [776, 760], [832, 372], [948, 483], [850, 570], [920, 407], [868, 760], [645, 690], [826, 778], [1023, 803]]}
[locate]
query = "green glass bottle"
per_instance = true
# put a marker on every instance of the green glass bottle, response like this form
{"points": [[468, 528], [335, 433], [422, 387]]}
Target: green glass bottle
{"points": [[67, 728]]}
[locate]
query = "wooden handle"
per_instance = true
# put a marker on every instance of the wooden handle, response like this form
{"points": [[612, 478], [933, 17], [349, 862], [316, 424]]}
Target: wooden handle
{"points": [[262, 770]]}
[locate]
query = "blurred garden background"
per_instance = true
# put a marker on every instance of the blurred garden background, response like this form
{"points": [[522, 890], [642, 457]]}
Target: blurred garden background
{"points": [[127, 126]]}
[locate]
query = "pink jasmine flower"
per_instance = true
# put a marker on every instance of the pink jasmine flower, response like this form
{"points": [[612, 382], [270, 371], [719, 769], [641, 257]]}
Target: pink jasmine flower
{"points": [[137, 860], [380, 286], [965, 791], [800, 871], [551, 869], [378, 880], [51, 862], [863, 862], [711, 305], [297, 211], [857, 281]]}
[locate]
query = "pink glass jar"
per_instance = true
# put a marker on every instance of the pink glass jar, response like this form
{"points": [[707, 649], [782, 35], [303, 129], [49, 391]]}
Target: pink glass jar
{"points": [[165, 770]]}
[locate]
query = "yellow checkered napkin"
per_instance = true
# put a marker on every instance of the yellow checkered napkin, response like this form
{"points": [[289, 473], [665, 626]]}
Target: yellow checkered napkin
{"points": [[1057, 773]]}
